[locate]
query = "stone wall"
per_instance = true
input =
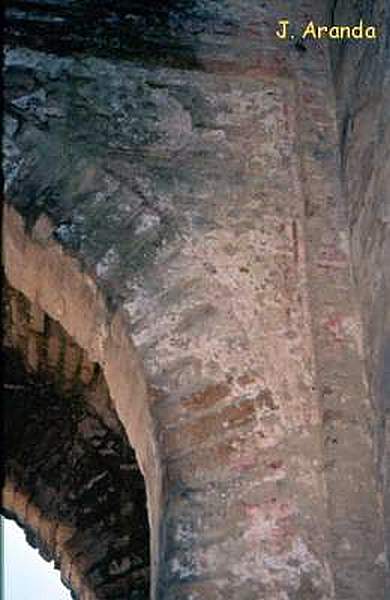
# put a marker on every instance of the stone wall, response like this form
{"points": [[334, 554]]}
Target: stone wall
{"points": [[73, 482], [362, 80], [187, 164]]}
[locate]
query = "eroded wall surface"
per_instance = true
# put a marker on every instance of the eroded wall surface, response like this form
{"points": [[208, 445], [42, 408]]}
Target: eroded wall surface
{"points": [[191, 162], [361, 74], [72, 480]]}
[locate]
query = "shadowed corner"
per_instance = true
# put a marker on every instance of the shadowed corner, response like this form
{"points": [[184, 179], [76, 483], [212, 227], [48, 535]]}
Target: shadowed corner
{"points": [[384, 398], [157, 31]]}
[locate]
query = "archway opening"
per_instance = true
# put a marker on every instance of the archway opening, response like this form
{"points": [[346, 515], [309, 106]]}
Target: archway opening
{"points": [[25, 575], [68, 458]]}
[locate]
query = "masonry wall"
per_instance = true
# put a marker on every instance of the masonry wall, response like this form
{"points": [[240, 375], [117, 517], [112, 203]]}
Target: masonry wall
{"points": [[71, 478], [361, 74], [190, 164]]}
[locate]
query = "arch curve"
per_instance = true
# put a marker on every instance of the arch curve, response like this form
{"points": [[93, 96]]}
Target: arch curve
{"points": [[70, 342], [46, 535]]}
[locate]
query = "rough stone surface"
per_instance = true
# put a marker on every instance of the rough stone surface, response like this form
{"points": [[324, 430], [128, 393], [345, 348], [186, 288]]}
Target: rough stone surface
{"points": [[361, 75], [227, 193], [75, 465]]}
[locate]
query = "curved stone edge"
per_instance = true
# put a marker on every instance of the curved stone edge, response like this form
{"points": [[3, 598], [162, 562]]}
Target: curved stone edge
{"points": [[38, 267], [51, 535]]}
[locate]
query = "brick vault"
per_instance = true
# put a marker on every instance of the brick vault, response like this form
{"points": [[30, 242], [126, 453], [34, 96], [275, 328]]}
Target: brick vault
{"points": [[196, 298]]}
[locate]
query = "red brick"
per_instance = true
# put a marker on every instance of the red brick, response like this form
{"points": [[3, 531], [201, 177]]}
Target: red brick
{"points": [[206, 428]]}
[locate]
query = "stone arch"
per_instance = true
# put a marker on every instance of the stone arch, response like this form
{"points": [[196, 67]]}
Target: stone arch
{"points": [[60, 334], [46, 535]]}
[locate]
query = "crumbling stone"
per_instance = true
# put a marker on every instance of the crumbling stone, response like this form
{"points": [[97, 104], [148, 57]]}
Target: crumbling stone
{"points": [[197, 242]]}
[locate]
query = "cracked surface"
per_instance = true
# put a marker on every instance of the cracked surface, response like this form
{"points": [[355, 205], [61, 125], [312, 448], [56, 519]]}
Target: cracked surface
{"points": [[75, 464], [198, 184]]}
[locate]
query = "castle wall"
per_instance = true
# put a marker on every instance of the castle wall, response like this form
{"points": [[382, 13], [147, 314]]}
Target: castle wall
{"points": [[191, 171]]}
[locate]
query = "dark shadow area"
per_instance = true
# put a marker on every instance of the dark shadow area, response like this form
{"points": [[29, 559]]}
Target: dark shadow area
{"points": [[66, 450], [159, 31]]}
